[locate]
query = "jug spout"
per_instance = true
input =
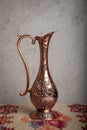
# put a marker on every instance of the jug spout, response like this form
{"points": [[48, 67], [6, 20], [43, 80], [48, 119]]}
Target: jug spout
{"points": [[48, 35], [44, 39]]}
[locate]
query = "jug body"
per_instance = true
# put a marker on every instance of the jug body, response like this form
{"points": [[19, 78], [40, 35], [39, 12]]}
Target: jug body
{"points": [[43, 93]]}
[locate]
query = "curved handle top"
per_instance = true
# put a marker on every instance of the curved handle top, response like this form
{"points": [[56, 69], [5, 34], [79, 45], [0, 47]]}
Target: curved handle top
{"points": [[20, 38]]}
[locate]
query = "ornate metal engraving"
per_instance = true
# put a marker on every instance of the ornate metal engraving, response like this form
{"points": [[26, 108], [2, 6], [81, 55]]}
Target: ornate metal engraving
{"points": [[43, 93]]}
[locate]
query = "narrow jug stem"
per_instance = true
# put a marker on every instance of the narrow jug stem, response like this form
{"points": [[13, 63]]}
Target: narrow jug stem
{"points": [[44, 46]]}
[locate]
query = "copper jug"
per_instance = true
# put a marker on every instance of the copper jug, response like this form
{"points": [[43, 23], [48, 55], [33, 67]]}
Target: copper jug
{"points": [[43, 93]]}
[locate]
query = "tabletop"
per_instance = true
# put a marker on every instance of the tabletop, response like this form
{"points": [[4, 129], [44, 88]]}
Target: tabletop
{"points": [[69, 117]]}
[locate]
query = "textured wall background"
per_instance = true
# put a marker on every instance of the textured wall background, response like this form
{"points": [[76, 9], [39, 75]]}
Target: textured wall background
{"points": [[67, 52]]}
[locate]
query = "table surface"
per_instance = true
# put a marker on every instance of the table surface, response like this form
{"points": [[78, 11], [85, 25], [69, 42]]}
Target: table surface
{"points": [[70, 117]]}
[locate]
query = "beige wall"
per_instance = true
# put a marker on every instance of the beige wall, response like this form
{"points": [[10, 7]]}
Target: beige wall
{"points": [[67, 52]]}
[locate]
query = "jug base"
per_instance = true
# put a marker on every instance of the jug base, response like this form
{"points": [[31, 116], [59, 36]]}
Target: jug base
{"points": [[43, 115]]}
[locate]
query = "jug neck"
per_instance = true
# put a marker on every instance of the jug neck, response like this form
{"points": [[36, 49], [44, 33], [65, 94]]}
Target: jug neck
{"points": [[44, 46]]}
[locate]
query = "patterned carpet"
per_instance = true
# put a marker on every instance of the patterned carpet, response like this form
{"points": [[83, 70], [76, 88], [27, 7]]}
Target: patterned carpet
{"points": [[69, 117]]}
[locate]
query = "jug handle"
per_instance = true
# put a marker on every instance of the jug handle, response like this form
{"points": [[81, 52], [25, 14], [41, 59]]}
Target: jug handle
{"points": [[20, 38]]}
